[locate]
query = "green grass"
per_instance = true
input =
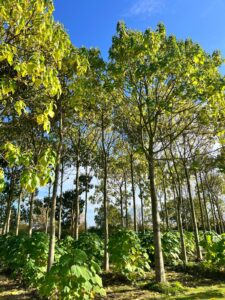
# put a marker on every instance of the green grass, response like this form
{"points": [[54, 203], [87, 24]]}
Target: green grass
{"points": [[202, 292], [180, 286]]}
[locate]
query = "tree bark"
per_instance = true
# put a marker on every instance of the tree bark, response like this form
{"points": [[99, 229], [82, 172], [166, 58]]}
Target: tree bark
{"points": [[133, 191], [77, 201], [51, 254], [180, 228], [47, 209], [31, 214], [121, 205], [194, 221], [126, 200], [105, 199], [60, 202], [212, 204], [178, 190], [200, 202], [86, 198], [18, 212], [9, 206], [205, 204], [159, 263], [165, 203], [142, 207]]}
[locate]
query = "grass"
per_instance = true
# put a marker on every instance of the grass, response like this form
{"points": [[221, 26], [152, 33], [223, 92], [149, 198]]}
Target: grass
{"points": [[180, 286]]}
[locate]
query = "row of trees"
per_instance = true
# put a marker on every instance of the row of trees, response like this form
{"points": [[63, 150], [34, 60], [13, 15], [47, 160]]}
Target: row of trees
{"points": [[149, 122]]}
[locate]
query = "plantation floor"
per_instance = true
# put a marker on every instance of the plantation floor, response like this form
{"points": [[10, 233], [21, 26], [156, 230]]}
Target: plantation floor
{"points": [[195, 288], [12, 290]]}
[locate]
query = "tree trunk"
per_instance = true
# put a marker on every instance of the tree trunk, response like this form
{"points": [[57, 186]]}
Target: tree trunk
{"points": [[47, 209], [86, 198], [51, 254], [133, 191], [180, 227], [142, 207], [194, 221], [9, 206], [121, 205], [178, 190], [126, 200], [77, 201], [46, 220], [60, 203], [31, 214], [220, 214], [165, 203], [18, 212], [205, 204], [159, 263], [200, 202], [105, 200], [215, 221]]}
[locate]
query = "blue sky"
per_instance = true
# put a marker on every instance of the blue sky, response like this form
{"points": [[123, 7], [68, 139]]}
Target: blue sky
{"points": [[92, 23]]}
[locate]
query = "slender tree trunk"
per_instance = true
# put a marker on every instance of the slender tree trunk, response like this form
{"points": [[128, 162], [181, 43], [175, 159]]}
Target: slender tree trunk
{"points": [[86, 199], [205, 204], [121, 205], [159, 263], [180, 226], [213, 212], [142, 207], [9, 206], [220, 215], [194, 221], [60, 202], [215, 222], [165, 203], [18, 212], [218, 221], [46, 220], [51, 254], [200, 202], [133, 191], [178, 189], [77, 204], [159, 197], [77, 201], [31, 214], [105, 200], [47, 208], [126, 200]]}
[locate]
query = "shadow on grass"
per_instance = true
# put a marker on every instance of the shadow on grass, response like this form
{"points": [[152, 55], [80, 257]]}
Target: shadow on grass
{"points": [[204, 295]]}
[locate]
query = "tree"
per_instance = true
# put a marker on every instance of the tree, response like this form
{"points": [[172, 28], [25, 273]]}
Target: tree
{"points": [[162, 81]]}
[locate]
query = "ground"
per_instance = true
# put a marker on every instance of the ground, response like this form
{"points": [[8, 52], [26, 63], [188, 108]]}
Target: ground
{"points": [[195, 288], [13, 290]]}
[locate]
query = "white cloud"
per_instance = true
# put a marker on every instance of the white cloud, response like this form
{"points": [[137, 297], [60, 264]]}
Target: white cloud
{"points": [[145, 8]]}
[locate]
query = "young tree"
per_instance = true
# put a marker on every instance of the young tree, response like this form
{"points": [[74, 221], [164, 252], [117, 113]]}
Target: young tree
{"points": [[163, 84]]}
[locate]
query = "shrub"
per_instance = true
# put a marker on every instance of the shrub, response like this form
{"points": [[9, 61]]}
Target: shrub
{"points": [[190, 245], [73, 277], [214, 246], [92, 245], [25, 256], [127, 255], [170, 245]]}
